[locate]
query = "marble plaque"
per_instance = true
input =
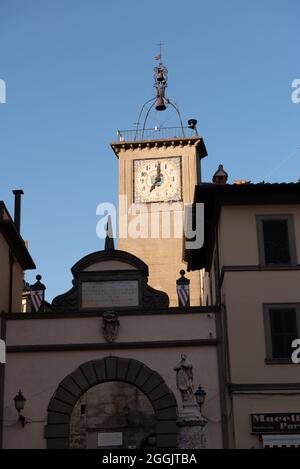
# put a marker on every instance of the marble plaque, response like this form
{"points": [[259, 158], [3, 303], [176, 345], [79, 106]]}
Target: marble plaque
{"points": [[110, 293], [110, 439]]}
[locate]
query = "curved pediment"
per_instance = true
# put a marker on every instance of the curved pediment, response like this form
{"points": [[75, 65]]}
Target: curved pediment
{"points": [[104, 260], [110, 279]]}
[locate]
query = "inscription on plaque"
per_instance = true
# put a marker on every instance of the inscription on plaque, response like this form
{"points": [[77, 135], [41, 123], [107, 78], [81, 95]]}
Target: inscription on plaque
{"points": [[109, 294]]}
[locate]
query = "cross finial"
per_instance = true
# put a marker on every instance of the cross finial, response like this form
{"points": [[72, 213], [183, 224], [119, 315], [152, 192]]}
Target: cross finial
{"points": [[160, 47], [159, 57]]}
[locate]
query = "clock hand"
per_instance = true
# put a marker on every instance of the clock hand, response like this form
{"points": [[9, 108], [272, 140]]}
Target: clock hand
{"points": [[158, 169], [153, 186], [157, 179]]}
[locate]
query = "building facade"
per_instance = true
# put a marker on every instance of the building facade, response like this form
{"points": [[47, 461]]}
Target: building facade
{"points": [[100, 369], [250, 269], [15, 258], [14, 261]]}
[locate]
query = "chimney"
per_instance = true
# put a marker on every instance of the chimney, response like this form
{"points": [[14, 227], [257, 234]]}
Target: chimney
{"points": [[220, 176], [17, 215]]}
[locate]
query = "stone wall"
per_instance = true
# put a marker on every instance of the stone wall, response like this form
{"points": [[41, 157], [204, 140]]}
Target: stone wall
{"points": [[111, 407]]}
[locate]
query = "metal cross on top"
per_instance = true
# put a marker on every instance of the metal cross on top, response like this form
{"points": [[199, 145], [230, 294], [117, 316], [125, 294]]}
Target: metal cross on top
{"points": [[159, 57]]}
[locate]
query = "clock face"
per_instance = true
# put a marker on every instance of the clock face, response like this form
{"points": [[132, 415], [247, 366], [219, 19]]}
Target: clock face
{"points": [[157, 180]]}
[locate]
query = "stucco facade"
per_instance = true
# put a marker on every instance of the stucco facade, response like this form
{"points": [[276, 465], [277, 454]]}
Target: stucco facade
{"points": [[15, 259], [56, 357], [245, 288]]}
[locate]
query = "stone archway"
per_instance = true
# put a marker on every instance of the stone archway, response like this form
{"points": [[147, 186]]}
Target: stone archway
{"points": [[111, 368]]}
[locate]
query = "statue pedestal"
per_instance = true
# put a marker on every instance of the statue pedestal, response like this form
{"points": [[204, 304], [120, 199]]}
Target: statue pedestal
{"points": [[191, 428]]}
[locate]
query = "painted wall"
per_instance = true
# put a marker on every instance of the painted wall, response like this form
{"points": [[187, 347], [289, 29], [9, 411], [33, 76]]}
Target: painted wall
{"points": [[247, 344], [244, 294], [138, 328], [244, 406], [4, 279], [39, 374], [238, 231], [18, 276]]}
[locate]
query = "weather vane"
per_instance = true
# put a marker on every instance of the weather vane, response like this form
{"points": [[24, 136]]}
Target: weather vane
{"points": [[159, 57], [160, 102]]}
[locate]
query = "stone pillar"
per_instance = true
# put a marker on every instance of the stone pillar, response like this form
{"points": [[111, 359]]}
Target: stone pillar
{"points": [[191, 428]]}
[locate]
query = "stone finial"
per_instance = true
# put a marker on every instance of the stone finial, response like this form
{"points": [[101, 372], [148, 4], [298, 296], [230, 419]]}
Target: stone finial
{"points": [[109, 239], [37, 295], [183, 290], [38, 285]]}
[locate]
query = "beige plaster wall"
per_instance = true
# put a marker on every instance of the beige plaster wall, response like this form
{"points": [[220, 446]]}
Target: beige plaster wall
{"points": [[245, 294], [38, 375], [18, 276], [137, 328], [244, 406], [4, 279], [238, 231]]}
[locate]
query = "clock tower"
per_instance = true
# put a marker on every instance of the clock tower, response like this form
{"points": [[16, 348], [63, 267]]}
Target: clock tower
{"points": [[158, 170]]}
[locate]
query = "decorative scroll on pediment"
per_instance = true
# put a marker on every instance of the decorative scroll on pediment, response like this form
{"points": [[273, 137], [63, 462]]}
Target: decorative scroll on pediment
{"points": [[67, 302], [97, 287], [153, 299]]}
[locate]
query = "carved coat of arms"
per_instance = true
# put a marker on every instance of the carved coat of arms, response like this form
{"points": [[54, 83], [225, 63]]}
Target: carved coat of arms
{"points": [[110, 325]]}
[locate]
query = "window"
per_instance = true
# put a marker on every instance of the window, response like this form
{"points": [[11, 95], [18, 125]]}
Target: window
{"points": [[276, 240], [282, 325]]}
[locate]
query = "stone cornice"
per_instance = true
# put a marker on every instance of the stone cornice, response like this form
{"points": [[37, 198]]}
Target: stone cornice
{"points": [[197, 141]]}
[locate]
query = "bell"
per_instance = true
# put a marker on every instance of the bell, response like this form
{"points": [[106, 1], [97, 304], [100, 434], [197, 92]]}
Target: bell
{"points": [[160, 104], [160, 76]]}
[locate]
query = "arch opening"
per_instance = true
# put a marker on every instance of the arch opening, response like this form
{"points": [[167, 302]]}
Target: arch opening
{"points": [[119, 371], [112, 413]]}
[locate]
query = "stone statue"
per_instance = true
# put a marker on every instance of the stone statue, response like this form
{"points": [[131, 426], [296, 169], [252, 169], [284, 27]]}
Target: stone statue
{"points": [[184, 379]]}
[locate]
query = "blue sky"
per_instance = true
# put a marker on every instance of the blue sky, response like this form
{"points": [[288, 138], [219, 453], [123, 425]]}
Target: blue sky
{"points": [[77, 70]]}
